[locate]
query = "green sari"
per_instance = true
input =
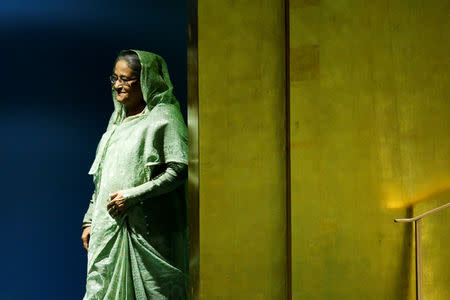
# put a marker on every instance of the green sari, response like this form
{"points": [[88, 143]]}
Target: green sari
{"points": [[144, 253]]}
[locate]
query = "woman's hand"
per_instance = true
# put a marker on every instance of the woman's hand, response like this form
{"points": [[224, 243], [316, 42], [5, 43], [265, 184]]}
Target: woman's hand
{"points": [[85, 236], [117, 206]]}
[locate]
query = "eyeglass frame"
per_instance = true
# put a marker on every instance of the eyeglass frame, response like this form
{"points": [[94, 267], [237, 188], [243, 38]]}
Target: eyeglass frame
{"points": [[114, 78]]}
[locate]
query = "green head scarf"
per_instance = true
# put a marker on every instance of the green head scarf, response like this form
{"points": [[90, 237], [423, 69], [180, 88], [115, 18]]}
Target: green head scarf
{"points": [[155, 85], [161, 128]]}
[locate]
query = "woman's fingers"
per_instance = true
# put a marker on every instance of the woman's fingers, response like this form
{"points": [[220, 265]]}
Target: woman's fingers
{"points": [[111, 204], [85, 236], [117, 207], [85, 244], [112, 210], [116, 210]]}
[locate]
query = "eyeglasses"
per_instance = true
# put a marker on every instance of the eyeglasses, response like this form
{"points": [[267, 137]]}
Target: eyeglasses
{"points": [[123, 79]]}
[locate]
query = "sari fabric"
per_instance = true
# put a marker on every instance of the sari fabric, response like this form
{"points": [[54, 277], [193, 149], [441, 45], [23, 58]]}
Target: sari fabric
{"points": [[144, 253]]}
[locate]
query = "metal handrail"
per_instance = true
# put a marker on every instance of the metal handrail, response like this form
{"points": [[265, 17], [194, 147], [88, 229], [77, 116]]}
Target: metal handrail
{"points": [[422, 215], [418, 238]]}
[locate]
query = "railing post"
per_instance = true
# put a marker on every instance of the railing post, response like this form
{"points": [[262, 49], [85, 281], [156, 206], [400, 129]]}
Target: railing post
{"points": [[418, 237], [419, 272]]}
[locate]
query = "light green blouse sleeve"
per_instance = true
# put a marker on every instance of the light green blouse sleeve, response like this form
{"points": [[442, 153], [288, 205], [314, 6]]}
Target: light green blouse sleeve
{"points": [[174, 176]]}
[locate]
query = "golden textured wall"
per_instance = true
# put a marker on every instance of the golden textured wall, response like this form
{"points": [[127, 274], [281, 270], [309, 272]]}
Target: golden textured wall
{"points": [[241, 122], [370, 142]]}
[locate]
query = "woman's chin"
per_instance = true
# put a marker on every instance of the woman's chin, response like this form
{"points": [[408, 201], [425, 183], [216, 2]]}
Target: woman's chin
{"points": [[121, 99]]}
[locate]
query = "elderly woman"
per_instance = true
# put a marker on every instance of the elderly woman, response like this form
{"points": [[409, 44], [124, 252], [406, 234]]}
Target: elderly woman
{"points": [[135, 227]]}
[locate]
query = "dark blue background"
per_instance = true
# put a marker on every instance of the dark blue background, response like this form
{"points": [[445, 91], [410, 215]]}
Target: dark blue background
{"points": [[56, 57]]}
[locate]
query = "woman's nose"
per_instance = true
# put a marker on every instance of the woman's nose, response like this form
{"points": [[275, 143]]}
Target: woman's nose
{"points": [[118, 84]]}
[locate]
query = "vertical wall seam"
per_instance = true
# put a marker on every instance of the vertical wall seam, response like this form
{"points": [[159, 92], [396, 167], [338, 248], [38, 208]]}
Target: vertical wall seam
{"points": [[194, 151], [288, 153]]}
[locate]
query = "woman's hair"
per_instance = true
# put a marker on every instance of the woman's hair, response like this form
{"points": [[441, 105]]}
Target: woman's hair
{"points": [[131, 58]]}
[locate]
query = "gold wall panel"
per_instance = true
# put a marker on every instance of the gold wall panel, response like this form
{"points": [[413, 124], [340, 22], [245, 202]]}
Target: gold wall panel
{"points": [[241, 123], [370, 142]]}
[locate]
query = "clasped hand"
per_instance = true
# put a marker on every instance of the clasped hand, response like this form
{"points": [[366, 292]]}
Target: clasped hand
{"points": [[117, 206]]}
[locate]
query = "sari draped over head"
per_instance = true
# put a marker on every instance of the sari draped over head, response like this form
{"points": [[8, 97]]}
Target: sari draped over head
{"points": [[144, 253]]}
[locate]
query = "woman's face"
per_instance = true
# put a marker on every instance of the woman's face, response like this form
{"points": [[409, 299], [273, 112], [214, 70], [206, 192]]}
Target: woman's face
{"points": [[127, 85]]}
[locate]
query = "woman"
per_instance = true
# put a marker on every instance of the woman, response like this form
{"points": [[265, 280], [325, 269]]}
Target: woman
{"points": [[135, 226]]}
